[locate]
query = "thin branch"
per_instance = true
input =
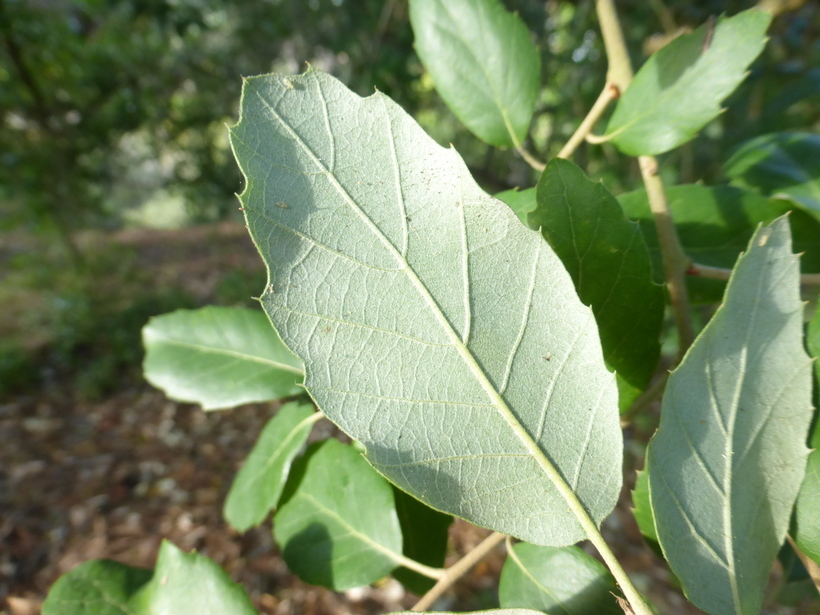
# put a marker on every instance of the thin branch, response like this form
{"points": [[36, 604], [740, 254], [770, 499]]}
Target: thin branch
{"points": [[718, 273], [675, 262], [427, 571], [653, 392], [459, 569], [619, 71], [811, 567], [607, 95]]}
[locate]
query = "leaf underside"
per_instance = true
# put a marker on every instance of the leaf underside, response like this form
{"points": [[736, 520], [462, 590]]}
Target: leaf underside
{"points": [[219, 357], [727, 460], [435, 328]]}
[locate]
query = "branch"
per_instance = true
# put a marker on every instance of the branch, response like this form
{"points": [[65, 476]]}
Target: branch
{"points": [[718, 273], [457, 570], [675, 262], [608, 94]]}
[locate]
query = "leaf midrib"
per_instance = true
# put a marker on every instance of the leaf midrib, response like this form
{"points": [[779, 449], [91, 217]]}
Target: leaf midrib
{"points": [[228, 353], [529, 443]]}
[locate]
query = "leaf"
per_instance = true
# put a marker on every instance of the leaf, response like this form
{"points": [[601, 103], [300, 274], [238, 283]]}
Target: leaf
{"points": [[181, 583], [190, 583], [609, 263], [680, 88], [785, 164], [425, 532], [522, 202], [642, 508], [219, 357], [337, 524], [728, 458], [483, 62], [423, 310], [558, 581], [715, 224], [101, 587], [490, 612], [258, 486], [807, 509]]}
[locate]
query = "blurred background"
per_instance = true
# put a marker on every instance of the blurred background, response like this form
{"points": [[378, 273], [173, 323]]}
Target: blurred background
{"points": [[117, 202]]}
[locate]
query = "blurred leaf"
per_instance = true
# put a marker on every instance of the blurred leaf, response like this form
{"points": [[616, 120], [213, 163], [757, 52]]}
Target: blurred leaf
{"points": [[101, 587], [219, 357], [680, 88], [522, 202], [609, 263], [558, 581], [259, 483], [726, 463], [336, 524], [190, 583], [490, 612], [715, 224], [642, 508], [425, 533], [379, 249], [181, 583], [785, 164], [483, 62]]}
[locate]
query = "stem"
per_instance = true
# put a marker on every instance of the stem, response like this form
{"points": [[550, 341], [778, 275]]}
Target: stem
{"points": [[427, 571], [459, 569], [607, 95], [619, 71], [812, 568], [652, 393], [529, 158], [675, 262], [718, 273]]}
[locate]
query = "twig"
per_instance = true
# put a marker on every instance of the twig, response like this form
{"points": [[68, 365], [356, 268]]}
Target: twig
{"points": [[652, 393], [718, 273], [812, 568], [607, 95], [675, 262], [459, 569]]}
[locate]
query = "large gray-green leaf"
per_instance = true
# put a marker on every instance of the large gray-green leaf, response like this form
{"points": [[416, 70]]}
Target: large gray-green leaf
{"points": [[680, 88], [608, 260], [436, 329], [101, 587], [182, 584], [729, 455], [807, 508], [483, 62], [715, 224], [219, 357], [257, 487], [784, 164], [558, 581], [190, 583], [337, 524]]}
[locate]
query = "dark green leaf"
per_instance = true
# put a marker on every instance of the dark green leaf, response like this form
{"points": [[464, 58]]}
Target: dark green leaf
{"points": [[425, 532], [190, 583], [483, 62], [609, 263], [424, 309], [785, 164], [219, 357], [715, 225], [727, 461], [257, 487], [337, 524], [522, 202], [680, 88], [100, 587], [558, 581]]}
